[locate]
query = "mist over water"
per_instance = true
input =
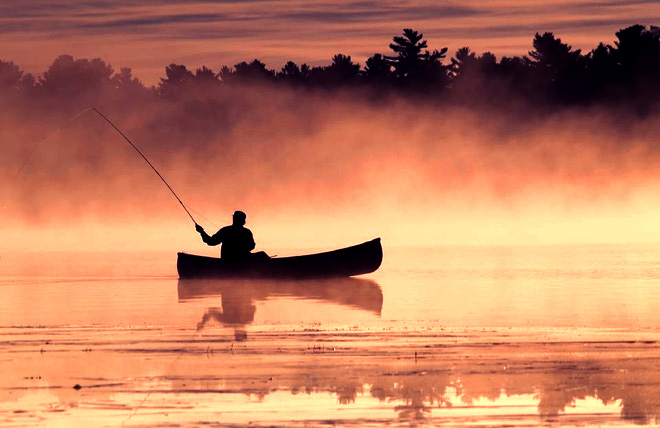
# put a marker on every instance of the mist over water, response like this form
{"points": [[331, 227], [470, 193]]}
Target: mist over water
{"points": [[333, 165]]}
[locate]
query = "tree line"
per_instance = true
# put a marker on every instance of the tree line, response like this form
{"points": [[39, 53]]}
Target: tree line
{"points": [[552, 74]]}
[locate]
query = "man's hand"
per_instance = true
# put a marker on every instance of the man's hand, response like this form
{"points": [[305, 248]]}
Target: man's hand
{"points": [[199, 228]]}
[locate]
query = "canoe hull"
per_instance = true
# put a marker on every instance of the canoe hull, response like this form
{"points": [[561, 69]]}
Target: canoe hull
{"points": [[356, 260]]}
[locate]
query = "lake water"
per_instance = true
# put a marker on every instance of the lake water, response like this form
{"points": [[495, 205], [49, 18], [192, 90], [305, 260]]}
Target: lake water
{"points": [[493, 336]]}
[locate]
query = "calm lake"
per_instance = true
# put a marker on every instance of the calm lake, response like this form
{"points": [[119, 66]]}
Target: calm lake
{"points": [[493, 336]]}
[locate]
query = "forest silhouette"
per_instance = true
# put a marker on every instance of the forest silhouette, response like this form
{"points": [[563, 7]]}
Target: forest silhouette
{"points": [[552, 75]]}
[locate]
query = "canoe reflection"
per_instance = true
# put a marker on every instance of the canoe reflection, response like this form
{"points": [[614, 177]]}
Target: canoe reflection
{"points": [[238, 297]]}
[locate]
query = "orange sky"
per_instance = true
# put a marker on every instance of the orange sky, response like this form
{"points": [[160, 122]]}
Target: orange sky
{"points": [[148, 35]]}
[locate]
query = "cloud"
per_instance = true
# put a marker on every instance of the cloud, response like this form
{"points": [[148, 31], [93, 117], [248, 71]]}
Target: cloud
{"points": [[528, 30], [121, 16], [359, 12], [156, 20]]}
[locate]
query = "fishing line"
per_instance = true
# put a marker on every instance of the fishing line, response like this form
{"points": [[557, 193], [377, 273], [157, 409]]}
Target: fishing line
{"points": [[147, 161], [51, 135], [182, 204], [204, 218], [36, 146]]}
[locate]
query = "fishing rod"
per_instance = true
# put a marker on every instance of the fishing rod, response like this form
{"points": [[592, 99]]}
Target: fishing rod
{"points": [[147, 161]]}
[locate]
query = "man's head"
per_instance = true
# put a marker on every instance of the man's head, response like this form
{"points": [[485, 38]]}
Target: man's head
{"points": [[239, 218]]}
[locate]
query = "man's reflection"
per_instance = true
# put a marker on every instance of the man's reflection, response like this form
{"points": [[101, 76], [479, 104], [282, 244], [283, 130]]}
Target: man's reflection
{"points": [[237, 311]]}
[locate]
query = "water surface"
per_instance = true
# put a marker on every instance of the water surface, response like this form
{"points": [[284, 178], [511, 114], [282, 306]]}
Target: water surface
{"points": [[510, 336]]}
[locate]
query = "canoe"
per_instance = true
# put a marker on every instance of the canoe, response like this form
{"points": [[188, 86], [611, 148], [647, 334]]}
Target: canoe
{"points": [[350, 261]]}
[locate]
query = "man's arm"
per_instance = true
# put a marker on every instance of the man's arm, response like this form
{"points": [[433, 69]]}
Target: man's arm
{"points": [[209, 240]]}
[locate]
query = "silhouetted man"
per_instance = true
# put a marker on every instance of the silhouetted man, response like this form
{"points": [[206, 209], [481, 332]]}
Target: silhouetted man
{"points": [[237, 241]]}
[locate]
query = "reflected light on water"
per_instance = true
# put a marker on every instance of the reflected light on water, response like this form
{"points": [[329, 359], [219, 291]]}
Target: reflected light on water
{"points": [[314, 407], [456, 386]]}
